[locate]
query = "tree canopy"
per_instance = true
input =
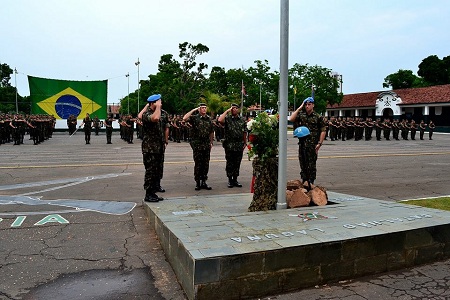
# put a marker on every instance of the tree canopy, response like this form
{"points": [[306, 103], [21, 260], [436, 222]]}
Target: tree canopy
{"points": [[431, 71], [8, 93], [182, 83]]}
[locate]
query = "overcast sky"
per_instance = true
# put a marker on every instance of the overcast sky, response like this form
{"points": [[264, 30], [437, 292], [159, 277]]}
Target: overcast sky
{"points": [[364, 40]]}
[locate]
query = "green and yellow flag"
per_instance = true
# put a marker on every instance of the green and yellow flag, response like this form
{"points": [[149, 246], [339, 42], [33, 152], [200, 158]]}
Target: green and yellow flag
{"points": [[62, 98]]}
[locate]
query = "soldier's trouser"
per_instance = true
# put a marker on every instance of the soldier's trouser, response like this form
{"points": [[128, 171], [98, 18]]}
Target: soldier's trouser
{"points": [[161, 167], [308, 168], [378, 133], [201, 161], [233, 164], [152, 164], [87, 135], [108, 134]]}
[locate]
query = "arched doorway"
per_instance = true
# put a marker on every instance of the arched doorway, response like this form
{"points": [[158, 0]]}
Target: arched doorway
{"points": [[388, 113]]}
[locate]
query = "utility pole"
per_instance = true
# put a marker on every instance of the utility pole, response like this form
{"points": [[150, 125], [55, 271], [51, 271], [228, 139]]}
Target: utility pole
{"points": [[139, 84]]}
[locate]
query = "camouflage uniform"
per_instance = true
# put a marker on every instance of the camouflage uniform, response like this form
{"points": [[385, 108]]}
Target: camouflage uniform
{"points": [[108, 129], [87, 129], [234, 145], [96, 125], [378, 129], [164, 123], [152, 151], [316, 124], [129, 129], [200, 143]]}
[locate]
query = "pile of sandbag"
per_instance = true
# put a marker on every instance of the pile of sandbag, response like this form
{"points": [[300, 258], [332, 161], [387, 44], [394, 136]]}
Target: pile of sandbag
{"points": [[299, 194]]}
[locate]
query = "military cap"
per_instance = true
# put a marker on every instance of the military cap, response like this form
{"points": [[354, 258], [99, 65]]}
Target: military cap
{"points": [[154, 98], [234, 105], [309, 99]]}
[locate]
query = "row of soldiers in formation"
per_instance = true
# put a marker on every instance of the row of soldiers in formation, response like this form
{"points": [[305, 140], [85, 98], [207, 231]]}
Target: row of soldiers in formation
{"points": [[179, 130], [338, 128], [13, 128], [72, 124], [346, 128]]}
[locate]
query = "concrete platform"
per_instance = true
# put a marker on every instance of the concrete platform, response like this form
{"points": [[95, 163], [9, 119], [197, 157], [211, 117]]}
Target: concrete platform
{"points": [[218, 250]]}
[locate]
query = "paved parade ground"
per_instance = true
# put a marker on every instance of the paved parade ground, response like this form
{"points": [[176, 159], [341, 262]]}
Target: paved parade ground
{"points": [[72, 223]]}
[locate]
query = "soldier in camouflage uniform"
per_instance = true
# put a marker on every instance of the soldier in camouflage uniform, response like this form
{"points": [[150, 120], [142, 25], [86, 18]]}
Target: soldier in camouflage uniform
{"points": [[87, 123], [317, 128], [234, 142], [153, 144], [109, 128], [165, 127], [201, 141]]}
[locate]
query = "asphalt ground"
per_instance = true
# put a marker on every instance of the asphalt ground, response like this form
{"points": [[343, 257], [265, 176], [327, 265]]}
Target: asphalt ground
{"points": [[77, 251]]}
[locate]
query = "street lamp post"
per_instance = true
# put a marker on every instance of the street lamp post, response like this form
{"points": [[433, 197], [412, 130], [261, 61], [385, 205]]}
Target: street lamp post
{"points": [[128, 95], [139, 84], [260, 84], [15, 83], [295, 93]]}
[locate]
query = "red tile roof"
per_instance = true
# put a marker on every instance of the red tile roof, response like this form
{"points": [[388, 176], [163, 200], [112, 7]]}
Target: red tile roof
{"points": [[425, 95]]}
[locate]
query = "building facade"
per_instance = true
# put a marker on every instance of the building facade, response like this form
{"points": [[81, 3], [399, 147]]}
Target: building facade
{"points": [[427, 103]]}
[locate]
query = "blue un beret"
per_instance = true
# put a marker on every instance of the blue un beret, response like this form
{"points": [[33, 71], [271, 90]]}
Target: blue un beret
{"points": [[309, 99], [154, 98]]}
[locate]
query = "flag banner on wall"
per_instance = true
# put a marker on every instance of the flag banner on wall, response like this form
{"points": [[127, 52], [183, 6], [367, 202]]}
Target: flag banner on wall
{"points": [[62, 98]]}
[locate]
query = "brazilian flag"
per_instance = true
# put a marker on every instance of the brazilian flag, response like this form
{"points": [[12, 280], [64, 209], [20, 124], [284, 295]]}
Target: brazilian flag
{"points": [[62, 98]]}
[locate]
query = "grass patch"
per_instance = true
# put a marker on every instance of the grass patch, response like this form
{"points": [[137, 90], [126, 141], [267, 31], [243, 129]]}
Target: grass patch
{"points": [[442, 203]]}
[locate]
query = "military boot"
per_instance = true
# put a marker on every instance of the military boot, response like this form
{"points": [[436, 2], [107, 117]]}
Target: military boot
{"points": [[235, 182], [205, 186], [150, 196], [230, 182], [197, 186]]}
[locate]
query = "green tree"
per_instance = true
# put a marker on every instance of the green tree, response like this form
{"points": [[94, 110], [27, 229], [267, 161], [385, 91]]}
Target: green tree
{"points": [[191, 80], [402, 79], [303, 77], [183, 83], [217, 81], [8, 93], [262, 85], [435, 71]]}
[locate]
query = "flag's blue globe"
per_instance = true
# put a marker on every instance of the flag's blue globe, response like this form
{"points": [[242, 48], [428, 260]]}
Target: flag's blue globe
{"points": [[67, 105]]}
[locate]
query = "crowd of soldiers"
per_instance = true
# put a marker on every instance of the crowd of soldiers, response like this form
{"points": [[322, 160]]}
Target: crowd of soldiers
{"points": [[348, 128], [179, 130], [14, 127]]}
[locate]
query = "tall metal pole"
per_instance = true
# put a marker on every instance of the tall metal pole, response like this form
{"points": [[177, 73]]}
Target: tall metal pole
{"points": [[242, 96], [283, 99], [15, 83], [128, 95], [295, 92], [260, 96], [139, 84]]}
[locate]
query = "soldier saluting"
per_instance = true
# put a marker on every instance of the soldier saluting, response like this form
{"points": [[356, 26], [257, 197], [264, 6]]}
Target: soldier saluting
{"points": [[234, 143], [153, 145], [202, 139]]}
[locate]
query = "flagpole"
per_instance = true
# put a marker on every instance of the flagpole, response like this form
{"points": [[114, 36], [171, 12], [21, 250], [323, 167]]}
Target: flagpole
{"points": [[139, 84], [283, 100], [15, 83], [128, 96], [242, 96]]}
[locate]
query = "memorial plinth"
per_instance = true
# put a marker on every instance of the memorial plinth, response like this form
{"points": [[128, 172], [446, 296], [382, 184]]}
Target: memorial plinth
{"points": [[218, 250]]}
